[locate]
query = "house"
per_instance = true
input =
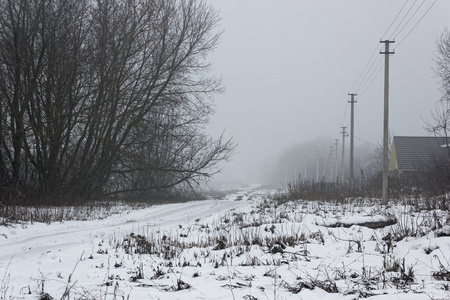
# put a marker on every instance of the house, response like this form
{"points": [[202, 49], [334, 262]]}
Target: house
{"points": [[415, 153]]}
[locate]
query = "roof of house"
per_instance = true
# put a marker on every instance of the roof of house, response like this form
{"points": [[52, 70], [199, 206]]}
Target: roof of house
{"points": [[415, 152]]}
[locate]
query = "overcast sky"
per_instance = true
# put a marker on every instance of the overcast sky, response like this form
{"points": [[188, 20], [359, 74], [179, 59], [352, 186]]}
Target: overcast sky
{"points": [[288, 66]]}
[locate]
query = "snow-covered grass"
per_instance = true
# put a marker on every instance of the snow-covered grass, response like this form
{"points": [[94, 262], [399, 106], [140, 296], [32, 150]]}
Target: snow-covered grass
{"points": [[244, 246], [43, 214]]}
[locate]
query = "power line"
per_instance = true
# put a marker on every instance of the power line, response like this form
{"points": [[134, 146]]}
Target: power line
{"points": [[369, 143], [363, 82], [398, 44], [345, 116], [365, 86], [395, 19], [373, 79], [407, 22], [373, 54], [360, 81], [399, 24], [367, 72], [370, 73]]}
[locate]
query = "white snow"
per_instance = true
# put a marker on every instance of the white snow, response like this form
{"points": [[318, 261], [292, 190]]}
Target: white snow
{"points": [[268, 252]]}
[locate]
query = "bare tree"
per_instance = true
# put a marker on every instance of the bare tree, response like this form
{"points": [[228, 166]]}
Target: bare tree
{"points": [[438, 172], [94, 93], [440, 117]]}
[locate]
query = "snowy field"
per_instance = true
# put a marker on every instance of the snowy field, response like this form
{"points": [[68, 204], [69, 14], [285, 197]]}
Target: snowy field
{"points": [[245, 246]]}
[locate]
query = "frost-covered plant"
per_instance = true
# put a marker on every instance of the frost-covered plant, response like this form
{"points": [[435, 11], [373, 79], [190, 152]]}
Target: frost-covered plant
{"points": [[4, 283]]}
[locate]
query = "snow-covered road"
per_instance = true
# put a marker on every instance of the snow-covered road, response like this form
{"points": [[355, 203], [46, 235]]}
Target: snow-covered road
{"points": [[28, 252], [21, 242]]}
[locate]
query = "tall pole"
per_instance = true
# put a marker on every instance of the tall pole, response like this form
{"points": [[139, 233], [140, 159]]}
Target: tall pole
{"points": [[317, 165], [331, 163], [352, 134], [306, 166], [286, 175], [295, 172], [336, 144], [344, 134], [385, 174]]}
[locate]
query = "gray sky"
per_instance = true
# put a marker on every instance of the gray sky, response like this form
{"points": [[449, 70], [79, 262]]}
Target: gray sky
{"points": [[288, 66]]}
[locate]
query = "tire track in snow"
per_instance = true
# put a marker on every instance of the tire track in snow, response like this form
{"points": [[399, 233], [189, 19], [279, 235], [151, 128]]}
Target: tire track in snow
{"points": [[81, 234]]}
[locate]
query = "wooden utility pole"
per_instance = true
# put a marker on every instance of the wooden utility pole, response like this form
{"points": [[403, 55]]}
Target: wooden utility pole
{"points": [[385, 174], [344, 134], [352, 134]]}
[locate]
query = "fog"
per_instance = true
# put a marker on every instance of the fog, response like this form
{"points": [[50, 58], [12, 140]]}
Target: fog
{"points": [[288, 66]]}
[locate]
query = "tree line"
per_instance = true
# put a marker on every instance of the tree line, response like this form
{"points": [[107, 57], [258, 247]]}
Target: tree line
{"points": [[105, 97]]}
